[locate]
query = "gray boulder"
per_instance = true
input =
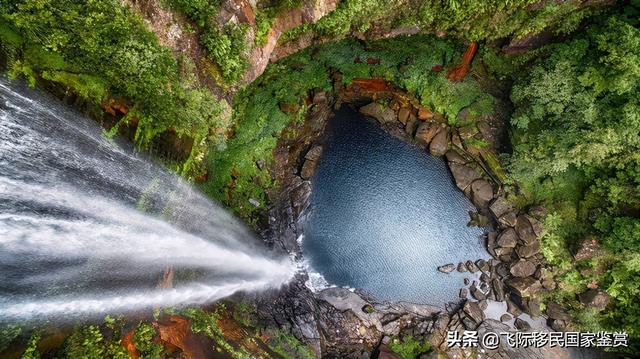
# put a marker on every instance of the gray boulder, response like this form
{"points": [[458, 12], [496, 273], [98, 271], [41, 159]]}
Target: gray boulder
{"points": [[528, 251], [463, 175], [426, 131], [503, 211], [507, 238], [595, 298], [525, 230], [473, 311], [555, 311], [522, 325], [455, 157], [440, 143], [524, 287], [523, 269], [447, 268], [482, 193]]}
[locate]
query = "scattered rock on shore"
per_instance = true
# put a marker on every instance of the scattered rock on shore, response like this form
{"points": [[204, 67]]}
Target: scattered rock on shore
{"points": [[447, 268]]}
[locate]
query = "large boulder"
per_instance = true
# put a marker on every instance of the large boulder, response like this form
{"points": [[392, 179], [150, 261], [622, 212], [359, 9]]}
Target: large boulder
{"points": [[555, 311], [513, 308], [308, 169], [426, 132], [588, 248], [455, 157], [473, 311], [440, 143], [314, 153], [463, 175], [310, 162], [524, 287], [595, 298], [525, 230], [507, 238], [522, 325], [404, 114], [528, 251], [477, 293], [381, 113], [504, 212], [482, 193], [523, 269]]}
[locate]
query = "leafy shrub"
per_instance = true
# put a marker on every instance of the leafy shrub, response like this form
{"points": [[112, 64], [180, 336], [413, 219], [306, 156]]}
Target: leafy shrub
{"points": [[32, 347], [288, 346], [199, 11], [143, 340], [226, 47], [409, 347]]}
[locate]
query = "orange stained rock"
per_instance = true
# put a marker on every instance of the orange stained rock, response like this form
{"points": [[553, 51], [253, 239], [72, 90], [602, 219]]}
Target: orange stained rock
{"points": [[127, 343], [370, 84], [175, 331], [113, 106], [424, 113], [459, 72]]}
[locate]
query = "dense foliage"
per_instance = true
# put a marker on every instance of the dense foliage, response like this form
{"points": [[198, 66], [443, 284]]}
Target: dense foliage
{"points": [[472, 20], [577, 151], [260, 121], [226, 45], [96, 341], [409, 348], [99, 49]]}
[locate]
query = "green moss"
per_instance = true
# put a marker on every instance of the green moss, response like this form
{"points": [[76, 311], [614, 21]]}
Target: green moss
{"points": [[143, 338], [408, 347], [32, 347], [206, 322], [264, 21], [266, 13], [288, 346], [226, 47], [199, 11], [89, 342]]}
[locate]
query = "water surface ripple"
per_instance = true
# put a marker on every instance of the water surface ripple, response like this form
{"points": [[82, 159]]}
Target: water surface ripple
{"points": [[384, 215]]}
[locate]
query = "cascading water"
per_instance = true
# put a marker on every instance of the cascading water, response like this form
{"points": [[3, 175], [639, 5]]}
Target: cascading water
{"points": [[87, 226]]}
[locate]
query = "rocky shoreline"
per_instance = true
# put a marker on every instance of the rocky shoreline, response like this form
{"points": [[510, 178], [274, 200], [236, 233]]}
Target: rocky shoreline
{"points": [[338, 322]]}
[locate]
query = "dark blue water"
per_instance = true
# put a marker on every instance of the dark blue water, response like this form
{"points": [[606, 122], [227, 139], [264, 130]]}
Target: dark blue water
{"points": [[385, 214]]}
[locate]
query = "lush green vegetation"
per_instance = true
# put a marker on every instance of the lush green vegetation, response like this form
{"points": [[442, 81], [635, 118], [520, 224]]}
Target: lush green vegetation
{"points": [[260, 120], [99, 49], [576, 138], [32, 347], [267, 11], [408, 347], [199, 11], [289, 347], [225, 45], [472, 20], [104, 341], [207, 323], [575, 126]]}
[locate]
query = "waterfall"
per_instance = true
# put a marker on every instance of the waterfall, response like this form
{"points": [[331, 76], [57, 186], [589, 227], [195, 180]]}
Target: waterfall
{"points": [[88, 226]]}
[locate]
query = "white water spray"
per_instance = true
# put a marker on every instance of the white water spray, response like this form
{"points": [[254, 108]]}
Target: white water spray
{"points": [[87, 227]]}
